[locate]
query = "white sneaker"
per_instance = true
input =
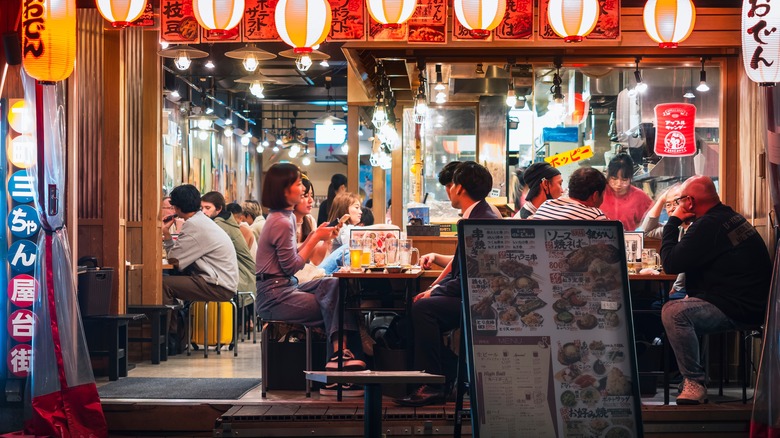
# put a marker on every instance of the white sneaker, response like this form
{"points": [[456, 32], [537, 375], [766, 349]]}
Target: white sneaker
{"points": [[693, 393], [347, 390]]}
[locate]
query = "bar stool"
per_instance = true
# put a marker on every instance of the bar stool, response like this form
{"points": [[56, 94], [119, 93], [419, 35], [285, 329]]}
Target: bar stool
{"points": [[232, 302], [745, 336], [251, 296], [264, 320]]}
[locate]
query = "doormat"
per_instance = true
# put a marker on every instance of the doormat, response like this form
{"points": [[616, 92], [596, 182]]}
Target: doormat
{"points": [[177, 388]]}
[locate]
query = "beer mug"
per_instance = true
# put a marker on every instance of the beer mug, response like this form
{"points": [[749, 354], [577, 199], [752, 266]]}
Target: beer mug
{"points": [[650, 258], [355, 255], [405, 251]]}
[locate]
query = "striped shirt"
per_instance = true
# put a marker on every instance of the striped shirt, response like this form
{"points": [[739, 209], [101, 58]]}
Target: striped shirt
{"points": [[565, 208]]}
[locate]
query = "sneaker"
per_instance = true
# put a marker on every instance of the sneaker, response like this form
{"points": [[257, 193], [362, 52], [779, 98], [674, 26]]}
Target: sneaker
{"points": [[424, 395], [347, 390], [350, 363], [693, 393]]}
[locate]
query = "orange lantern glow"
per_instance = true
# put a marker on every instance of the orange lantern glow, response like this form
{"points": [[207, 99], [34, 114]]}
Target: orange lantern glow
{"points": [[49, 38], [218, 16], [669, 22], [480, 16], [121, 12], [391, 13], [303, 24], [572, 20]]}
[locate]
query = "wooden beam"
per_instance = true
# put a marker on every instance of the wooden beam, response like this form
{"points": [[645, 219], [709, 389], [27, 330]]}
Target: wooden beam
{"points": [[353, 155]]}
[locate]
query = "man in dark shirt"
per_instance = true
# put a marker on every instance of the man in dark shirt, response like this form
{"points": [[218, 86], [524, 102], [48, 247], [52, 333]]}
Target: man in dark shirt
{"points": [[727, 269], [438, 309]]}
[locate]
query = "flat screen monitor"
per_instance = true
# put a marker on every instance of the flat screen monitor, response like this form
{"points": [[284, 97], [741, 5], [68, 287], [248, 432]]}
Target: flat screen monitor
{"points": [[330, 134]]}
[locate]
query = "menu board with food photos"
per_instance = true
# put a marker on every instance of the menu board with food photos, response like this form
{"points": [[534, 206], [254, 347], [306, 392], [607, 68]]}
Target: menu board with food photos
{"points": [[549, 331]]}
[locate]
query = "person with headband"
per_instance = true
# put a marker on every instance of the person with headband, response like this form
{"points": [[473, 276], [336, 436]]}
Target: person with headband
{"points": [[544, 182]]}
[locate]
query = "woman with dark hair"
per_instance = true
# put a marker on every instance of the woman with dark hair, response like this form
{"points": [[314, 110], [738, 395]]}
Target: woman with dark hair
{"points": [[304, 221], [622, 201], [235, 209], [314, 303], [338, 184]]}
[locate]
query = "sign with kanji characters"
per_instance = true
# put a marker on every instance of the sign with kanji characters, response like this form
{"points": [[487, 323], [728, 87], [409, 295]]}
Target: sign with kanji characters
{"points": [[462, 33], [349, 20], [607, 27], [23, 221], [177, 22], [258, 23], [377, 32], [518, 23], [569, 157], [22, 152], [429, 22], [20, 325], [674, 129], [22, 289], [19, 360], [20, 187], [761, 41], [147, 18], [21, 256]]}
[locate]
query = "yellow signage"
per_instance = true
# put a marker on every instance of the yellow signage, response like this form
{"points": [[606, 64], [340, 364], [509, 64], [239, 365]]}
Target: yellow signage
{"points": [[568, 157]]}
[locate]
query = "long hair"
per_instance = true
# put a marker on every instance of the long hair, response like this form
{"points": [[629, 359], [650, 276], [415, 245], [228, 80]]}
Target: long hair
{"points": [[340, 205], [306, 228], [336, 181]]}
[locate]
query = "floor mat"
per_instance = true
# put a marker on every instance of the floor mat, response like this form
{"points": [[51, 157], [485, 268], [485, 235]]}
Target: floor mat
{"points": [[177, 388]]}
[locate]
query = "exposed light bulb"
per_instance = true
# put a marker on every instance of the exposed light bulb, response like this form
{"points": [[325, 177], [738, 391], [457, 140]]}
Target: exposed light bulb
{"points": [[209, 110], [439, 87], [324, 63], [295, 149], [279, 141], [641, 87], [689, 95], [203, 135], [182, 61], [303, 62], [420, 109], [511, 99], [260, 149], [345, 147], [379, 118], [245, 139], [228, 131], [306, 161], [175, 94], [265, 143], [228, 121], [275, 149], [250, 62], [292, 153], [204, 123], [209, 64], [257, 89], [441, 97]]}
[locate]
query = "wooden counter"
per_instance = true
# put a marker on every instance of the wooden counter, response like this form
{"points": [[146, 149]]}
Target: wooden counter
{"points": [[439, 244]]}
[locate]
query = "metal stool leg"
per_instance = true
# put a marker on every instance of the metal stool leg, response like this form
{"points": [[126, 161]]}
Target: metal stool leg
{"points": [[189, 330], [206, 330], [235, 327], [308, 359], [263, 358]]}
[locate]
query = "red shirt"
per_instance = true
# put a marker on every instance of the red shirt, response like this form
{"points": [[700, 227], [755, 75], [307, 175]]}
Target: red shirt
{"points": [[628, 209]]}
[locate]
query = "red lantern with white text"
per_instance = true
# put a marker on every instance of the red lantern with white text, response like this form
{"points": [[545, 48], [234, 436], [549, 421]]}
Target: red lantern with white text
{"points": [[218, 16], [480, 16], [391, 13], [760, 41], [49, 38], [669, 22], [572, 20], [121, 12]]}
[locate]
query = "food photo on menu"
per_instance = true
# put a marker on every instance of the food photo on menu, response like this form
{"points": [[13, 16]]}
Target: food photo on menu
{"points": [[565, 285]]}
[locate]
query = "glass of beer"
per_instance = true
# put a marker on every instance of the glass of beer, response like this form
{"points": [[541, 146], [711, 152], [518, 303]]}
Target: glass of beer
{"points": [[355, 254], [368, 247]]}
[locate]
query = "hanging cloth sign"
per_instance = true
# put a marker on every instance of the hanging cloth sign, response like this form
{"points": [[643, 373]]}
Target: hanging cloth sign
{"points": [[674, 129]]}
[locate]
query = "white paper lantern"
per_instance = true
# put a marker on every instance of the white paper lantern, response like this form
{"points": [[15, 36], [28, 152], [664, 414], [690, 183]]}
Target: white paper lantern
{"points": [[760, 44]]}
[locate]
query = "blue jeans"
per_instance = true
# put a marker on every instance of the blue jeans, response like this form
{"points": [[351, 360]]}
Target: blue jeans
{"points": [[684, 321], [333, 261]]}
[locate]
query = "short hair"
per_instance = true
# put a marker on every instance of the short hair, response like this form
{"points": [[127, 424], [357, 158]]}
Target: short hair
{"points": [[367, 218], [252, 208], [234, 208], [620, 162], [218, 200], [585, 181], [474, 178], [340, 205], [186, 197], [445, 174], [278, 179]]}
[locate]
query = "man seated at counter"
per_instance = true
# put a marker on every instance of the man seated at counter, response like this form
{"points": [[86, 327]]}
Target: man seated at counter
{"points": [[544, 182], [438, 309], [203, 252], [586, 192], [727, 275]]}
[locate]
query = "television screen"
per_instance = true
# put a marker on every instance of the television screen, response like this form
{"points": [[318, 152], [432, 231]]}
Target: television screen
{"points": [[330, 134]]}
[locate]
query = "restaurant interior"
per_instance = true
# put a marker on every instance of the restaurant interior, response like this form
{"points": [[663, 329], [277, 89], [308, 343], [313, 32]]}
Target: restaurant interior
{"points": [[144, 115]]}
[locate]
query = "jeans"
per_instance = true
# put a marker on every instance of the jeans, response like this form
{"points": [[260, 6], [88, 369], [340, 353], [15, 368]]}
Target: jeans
{"points": [[333, 261], [684, 321]]}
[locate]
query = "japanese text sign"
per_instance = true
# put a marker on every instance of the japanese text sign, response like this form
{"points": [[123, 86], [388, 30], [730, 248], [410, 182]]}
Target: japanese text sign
{"points": [[674, 129], [258, 22], [568, 157], [761, 41], [177, 22], [348, 20]]}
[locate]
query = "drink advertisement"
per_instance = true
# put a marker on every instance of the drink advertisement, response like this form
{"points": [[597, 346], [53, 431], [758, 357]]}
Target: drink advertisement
{"points": [[549, 329]]}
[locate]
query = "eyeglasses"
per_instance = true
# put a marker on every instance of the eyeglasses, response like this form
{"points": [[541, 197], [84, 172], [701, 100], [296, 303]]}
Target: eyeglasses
{"points": [[680, 199]]}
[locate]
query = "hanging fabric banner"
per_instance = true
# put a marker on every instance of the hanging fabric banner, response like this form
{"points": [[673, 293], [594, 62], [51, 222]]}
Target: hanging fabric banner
{"points": [[178, 23], [674, 129], [349, 20], [258, 23]]}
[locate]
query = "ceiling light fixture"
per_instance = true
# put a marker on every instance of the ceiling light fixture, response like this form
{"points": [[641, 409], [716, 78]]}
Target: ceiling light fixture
{"points": [[209, 64], [441, 97], [640, 85], [421, 101], [260, 149], [250, 56], [246, 138], [329, 118], [306, 160], [379, 118], [175, 93], [257, 82], [689, 92], [556, 90], [703, 87], [182, 55]]}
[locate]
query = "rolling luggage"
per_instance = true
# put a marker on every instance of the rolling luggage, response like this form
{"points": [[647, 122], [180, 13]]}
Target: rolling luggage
{"points": [[225, 321]]}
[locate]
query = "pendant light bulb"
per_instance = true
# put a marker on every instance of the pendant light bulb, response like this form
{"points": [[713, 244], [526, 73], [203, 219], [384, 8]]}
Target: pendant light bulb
{"points": [[260, 149], [250, 62], [511, 99], [303, 62], [306, 161], [228, 131], [182, 61]]}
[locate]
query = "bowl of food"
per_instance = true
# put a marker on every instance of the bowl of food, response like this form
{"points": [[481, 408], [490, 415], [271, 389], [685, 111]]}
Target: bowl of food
{"points": [[394, 269]]}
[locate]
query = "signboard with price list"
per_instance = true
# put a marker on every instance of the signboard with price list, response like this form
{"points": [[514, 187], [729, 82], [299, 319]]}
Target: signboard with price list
{"points": [[549, 331]]}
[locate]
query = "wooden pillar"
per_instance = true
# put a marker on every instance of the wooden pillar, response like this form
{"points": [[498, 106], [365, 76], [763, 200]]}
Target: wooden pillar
{"points": [[399, 179], [151, 290], [353, 155]]}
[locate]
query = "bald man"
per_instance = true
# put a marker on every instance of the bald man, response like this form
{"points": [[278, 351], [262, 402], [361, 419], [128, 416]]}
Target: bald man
{"points": [[727, 269]]}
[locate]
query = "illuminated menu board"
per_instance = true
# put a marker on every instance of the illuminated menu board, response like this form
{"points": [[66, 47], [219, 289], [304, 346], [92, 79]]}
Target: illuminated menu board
{"points": [[550, 344]]}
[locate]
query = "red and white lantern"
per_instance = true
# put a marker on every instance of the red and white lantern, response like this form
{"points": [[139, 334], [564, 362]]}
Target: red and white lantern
{"points": [[674, 129], [391, 13], [303, 24], [761, 41], [480, 16], [669, 22], [218, 16], [121, 12], [572, 20]]}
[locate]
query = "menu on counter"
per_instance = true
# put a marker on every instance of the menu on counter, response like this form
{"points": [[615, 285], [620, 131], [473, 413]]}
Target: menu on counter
{"points": [[549, 330]]}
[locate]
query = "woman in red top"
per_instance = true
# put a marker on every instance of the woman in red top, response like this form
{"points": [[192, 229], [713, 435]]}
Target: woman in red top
{"points": [[622, 201]]}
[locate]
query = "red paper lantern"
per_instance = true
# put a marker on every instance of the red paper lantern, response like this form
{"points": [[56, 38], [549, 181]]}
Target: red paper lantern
{"points": [[49, 38], [669, 22], [480, 16], [218, 16], [121, 12]]}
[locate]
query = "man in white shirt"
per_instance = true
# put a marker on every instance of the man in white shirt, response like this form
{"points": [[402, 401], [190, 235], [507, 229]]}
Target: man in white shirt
{"points": [[586, 192]]}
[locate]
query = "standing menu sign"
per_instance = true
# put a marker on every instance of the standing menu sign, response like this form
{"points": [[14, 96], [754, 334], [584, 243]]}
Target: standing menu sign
{"points": [[550, 348]]}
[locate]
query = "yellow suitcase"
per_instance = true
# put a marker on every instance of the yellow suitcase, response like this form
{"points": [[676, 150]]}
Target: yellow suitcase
{"points": [[225, 320]]}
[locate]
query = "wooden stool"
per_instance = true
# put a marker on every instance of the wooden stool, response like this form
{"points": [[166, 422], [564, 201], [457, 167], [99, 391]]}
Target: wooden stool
{"points": [[107, 336], [158, 316]]}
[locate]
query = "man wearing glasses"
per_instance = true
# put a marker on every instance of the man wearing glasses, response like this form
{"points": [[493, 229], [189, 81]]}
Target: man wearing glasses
{"points": [[727, 270]]}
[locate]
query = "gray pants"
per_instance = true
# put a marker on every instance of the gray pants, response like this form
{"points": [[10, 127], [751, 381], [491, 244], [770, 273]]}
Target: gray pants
{"points": [[191, 288]]}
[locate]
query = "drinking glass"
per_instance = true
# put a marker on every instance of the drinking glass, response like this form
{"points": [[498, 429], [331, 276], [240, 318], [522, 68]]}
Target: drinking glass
{"points": [[405, 251], [391, 252], [650, 258], [368, 247], [355, 254]]}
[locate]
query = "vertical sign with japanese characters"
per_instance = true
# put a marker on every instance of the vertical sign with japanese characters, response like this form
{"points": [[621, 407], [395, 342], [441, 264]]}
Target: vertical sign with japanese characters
{"points": [[549, 329], [22, 225], [349, 20], [429, 22], [177, 22], [674, 129], [258, 23], [518, 23], [761, 41]]}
